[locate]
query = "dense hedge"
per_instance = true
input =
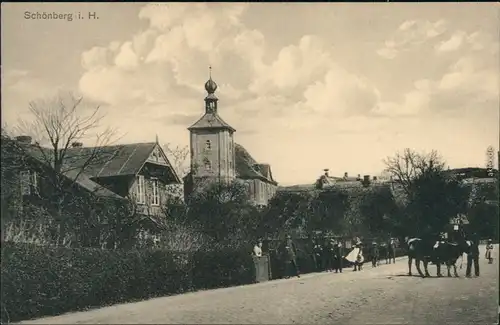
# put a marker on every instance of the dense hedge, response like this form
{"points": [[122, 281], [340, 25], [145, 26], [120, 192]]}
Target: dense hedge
{"points": [[42, 281]]}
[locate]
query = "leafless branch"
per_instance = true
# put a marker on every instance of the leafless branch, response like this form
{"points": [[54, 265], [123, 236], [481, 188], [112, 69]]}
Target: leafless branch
{"points": [[178, 157], [405, 167], [60, 122]]}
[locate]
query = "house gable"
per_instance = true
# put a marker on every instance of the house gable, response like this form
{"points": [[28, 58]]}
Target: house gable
{"points": [[158, 157]]}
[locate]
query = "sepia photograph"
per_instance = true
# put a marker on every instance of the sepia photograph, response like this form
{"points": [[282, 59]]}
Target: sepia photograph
{"points": [[250, 163]]}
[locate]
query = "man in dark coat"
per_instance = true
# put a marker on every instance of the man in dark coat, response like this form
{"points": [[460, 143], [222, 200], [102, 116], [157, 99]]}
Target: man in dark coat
{"points": [[338, 256], [473, 256], [318, 255], [375, 254], [291, 267]]}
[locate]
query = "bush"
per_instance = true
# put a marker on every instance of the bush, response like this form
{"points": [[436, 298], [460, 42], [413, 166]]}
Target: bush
{"points": [[43, 281]]}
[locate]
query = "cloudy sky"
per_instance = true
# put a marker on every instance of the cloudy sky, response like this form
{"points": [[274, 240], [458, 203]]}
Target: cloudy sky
{"points": [[307, 86]]}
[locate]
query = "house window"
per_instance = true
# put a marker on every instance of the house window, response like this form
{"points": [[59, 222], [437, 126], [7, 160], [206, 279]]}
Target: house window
{"points": [[34, 180], [208, 165], [25, 183], [208, 145], [29, 182], [141, 198], [155, 198]]}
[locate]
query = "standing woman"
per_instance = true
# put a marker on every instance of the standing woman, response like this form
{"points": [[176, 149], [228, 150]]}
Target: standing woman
{"points": [[257, 249], [358, 264]]}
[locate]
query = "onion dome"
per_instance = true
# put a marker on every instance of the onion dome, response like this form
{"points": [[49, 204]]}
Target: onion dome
{"points": [[210, 85]]}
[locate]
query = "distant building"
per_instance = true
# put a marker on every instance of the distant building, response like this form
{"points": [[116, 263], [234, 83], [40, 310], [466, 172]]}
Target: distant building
{"points": [[325, 182], [215, 157]]}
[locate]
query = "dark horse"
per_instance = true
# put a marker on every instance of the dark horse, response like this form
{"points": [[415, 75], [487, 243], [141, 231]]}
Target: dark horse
{"points": [[442, 252], [420, 250]]}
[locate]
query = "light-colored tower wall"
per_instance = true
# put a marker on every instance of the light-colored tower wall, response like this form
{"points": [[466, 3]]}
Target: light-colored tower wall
{"points": [[215, 147]]}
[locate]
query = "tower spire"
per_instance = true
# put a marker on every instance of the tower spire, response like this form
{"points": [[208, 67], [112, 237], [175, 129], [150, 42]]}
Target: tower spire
{"points": [[210, 72], [156, 139]]}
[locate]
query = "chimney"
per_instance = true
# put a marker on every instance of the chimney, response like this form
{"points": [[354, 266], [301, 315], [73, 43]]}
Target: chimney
{"points": [[24, 139], [77, 144], [359, 177], [375, 178], [326, 172], [346, 175]]}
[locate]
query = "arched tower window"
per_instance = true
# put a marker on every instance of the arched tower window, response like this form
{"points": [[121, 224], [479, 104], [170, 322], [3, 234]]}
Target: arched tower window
{"points": [[208, 165], [208, 145]]}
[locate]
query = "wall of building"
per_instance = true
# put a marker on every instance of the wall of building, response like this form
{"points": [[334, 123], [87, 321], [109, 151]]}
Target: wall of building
{"points": [[165, 191], [260, 192], [220, 155]]}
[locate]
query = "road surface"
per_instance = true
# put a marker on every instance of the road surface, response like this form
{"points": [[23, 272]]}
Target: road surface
{"points": [[382, 295]]}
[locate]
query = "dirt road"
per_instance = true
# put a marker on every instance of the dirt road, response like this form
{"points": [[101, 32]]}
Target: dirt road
{"points": [[382, 295]]}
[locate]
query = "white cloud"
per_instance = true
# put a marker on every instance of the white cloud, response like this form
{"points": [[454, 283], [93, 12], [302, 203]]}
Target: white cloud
{"points": [[182, 41], [341, 93], [19, 88], [410, 34], [453, 43], [127, 59]]}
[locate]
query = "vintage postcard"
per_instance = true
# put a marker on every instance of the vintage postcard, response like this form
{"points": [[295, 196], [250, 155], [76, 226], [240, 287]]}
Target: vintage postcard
{"points": [[269, 163]]}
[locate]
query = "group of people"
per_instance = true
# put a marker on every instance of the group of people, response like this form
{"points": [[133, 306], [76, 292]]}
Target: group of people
{"points": [[328, 254]]}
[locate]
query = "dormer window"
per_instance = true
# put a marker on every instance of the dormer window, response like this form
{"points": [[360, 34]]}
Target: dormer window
{"points": [[208, 145], [208, 165]]}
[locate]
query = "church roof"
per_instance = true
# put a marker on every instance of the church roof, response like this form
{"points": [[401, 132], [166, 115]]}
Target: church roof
{"points": [[211, 121], [248, 168]]}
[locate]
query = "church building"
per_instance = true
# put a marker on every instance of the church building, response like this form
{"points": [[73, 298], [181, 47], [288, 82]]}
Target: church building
{"points": [[215, 157]]}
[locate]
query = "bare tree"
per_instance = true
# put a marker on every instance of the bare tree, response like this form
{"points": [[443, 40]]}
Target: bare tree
{"points": [[178, 157], [56, 125], [405, 167]]}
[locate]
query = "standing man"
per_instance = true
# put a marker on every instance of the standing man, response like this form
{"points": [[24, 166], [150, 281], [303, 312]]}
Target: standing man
{"points": [[375, 254], [473, 256], [291, 267], [318, 255], [338, 256], [489, 250]]}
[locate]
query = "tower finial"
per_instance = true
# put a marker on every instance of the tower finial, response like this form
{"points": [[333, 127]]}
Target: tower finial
{"points": [[157, 138], [210, 85]]}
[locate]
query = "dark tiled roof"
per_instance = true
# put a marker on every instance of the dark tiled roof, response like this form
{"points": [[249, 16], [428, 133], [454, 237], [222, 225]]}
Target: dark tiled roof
{"points": [[248, 168], [88, 184], [211, 121], [42, 156], [117, 160]]}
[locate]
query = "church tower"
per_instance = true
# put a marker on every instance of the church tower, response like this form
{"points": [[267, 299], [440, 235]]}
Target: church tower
{"points": [[211, 142]]}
